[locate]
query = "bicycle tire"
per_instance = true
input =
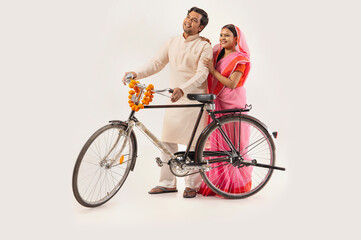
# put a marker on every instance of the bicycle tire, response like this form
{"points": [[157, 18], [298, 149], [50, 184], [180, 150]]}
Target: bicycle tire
{"points": [[91, 166], [252, 141]]}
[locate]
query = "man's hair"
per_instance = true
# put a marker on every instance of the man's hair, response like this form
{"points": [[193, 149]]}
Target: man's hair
{"points": [[204, 19]]}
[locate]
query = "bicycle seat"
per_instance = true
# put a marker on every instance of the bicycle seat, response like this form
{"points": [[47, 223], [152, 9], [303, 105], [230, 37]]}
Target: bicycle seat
{"points": [[203, 98]]}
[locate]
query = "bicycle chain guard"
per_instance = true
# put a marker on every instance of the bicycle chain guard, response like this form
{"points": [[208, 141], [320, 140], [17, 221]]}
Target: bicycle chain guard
{"points": [[177, 168]]}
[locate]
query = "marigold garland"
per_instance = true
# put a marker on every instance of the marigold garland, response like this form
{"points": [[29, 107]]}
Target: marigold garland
{"points": [[148, 96]]}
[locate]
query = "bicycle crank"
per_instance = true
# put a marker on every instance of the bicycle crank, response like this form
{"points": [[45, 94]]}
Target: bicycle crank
{"points": [[177, 168]]}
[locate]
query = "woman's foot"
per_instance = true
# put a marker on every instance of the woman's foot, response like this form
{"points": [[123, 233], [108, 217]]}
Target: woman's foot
{"points": [[189, 193], [160, 189]]}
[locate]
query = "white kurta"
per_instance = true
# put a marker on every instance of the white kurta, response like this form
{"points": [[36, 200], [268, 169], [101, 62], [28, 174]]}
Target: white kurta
{"points": [[185, 58]]}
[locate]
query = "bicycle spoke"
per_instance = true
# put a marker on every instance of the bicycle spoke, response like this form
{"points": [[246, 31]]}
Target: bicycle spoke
{"points": [[95, 185], [90, 174], [96, 153], [254, 147]]}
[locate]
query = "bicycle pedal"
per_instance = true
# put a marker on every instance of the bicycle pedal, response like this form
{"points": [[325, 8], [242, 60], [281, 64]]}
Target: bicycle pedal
{"points": [[159, 162]]}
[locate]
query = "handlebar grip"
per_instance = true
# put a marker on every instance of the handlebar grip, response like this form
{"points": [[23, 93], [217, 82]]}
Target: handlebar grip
{"points": [[129, 76], [170, 90]]}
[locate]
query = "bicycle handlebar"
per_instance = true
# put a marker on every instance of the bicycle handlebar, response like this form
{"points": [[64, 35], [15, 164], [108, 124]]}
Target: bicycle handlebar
{"points": [[129, 77], [170, 90]]}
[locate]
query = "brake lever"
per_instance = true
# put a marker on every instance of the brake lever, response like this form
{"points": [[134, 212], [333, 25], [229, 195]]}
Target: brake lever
{"points": [[164, 90]]}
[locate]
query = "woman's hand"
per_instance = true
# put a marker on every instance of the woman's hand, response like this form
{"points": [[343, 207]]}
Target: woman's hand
{"points": [[206, 40], [209, 64]]}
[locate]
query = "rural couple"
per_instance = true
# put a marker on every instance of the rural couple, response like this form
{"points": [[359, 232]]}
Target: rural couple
{"points": [[197, 68]]}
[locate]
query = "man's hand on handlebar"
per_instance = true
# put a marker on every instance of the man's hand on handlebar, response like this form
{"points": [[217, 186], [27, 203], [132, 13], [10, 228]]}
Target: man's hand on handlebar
{"points": [[177, 94], [133, 73]]}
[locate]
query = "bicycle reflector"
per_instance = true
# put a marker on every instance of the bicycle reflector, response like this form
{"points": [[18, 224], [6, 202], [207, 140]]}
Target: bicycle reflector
{"points": [[121, 160], [275, 134]]}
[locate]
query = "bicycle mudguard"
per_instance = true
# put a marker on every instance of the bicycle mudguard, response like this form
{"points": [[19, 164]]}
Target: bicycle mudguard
{"points": [[132, 134]]}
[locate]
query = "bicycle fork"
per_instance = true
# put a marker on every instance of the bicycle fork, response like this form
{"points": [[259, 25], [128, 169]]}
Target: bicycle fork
{"points": [[126, 135]]}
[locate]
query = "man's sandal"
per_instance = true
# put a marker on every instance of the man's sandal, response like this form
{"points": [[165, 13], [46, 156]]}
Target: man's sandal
{"points": [[162, 190], [189, 193]]}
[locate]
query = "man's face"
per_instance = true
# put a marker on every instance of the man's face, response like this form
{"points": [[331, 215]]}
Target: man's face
{"points": [[192, 23]]}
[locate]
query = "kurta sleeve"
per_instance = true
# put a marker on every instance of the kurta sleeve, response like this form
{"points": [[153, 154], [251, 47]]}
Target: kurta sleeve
{"points": [[156, 64], [202, 71]]}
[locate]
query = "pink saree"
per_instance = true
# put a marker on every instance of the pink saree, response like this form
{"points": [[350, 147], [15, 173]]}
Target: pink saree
{"points": [[228, 178]]}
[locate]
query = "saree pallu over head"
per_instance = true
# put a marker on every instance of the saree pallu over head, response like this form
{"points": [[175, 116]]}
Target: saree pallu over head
{"points": [[227, 65]]}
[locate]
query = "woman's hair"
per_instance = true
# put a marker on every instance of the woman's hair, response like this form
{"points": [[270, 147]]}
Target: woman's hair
{"points": [[231, 28]]}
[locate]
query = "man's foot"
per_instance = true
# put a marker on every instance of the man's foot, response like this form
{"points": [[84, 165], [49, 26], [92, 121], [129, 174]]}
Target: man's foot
{"points": [[160, 189], [189, 193]]}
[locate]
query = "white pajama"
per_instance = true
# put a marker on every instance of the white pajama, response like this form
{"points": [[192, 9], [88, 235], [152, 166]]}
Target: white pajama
{"points": [[167, 179]]}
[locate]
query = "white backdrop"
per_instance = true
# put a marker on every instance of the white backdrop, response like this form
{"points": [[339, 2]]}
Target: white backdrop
{"points": [[61, 66]]}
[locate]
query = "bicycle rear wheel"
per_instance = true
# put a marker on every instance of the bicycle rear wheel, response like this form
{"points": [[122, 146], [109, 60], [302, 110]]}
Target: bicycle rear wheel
{"points": [[103, 165], [252, 141]]}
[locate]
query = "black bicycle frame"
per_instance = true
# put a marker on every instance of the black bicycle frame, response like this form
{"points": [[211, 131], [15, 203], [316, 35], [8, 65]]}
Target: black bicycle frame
{"points": [[236, 154], [211, 113]]}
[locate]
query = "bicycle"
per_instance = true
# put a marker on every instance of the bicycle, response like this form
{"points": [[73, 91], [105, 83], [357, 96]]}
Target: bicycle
{"points": [[234, 149]]}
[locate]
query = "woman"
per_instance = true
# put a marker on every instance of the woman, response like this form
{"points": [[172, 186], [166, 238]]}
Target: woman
{"points": [[228, 73]]}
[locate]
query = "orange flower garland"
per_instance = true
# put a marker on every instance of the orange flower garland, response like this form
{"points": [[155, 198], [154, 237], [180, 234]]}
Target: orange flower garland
{"points": [[148, 96]]}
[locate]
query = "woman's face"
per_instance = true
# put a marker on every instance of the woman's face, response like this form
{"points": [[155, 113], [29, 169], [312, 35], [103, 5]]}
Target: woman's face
{"points": [[227, 39]]}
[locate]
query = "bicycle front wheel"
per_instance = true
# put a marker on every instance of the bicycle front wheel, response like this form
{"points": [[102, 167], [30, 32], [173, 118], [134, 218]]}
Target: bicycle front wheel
{"points": [[226, 177], [103, 165]]}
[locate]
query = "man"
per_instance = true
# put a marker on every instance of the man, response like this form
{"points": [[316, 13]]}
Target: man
{"points": [[185, 55]]}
